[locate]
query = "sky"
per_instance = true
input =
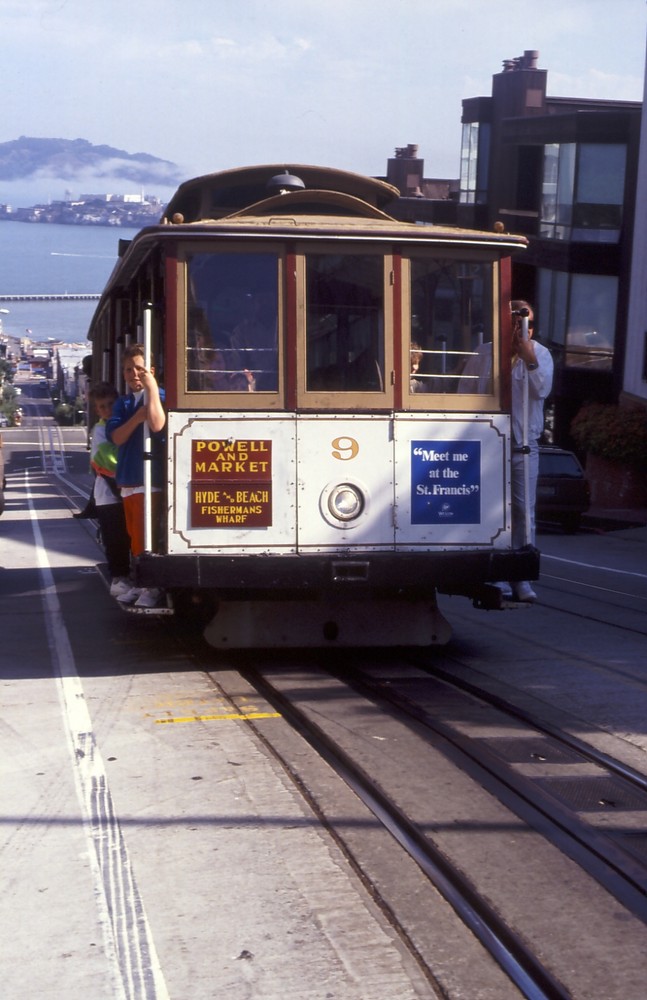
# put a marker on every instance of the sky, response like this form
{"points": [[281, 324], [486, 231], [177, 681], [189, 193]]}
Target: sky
{"points": [[214, 84]]}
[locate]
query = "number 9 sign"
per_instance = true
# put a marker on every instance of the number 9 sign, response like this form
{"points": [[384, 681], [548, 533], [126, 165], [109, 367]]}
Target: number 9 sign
{"points": [[345, 449]]}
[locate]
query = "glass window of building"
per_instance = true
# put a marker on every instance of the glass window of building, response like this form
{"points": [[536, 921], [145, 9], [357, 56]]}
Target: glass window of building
{"points": [[583, 192], [557, 191], [475, 153], [577, 318], [599, 194]]}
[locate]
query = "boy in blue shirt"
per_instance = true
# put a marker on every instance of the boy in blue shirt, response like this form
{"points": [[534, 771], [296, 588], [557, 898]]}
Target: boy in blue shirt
{"points": [[125, 428]]}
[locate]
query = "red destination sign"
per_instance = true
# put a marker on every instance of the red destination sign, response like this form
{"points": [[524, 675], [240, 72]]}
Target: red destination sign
{"points": [[231, 461], [231, 484]]}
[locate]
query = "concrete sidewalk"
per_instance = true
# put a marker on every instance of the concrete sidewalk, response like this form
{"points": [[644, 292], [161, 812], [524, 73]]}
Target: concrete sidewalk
{"points": [[613, 519]]}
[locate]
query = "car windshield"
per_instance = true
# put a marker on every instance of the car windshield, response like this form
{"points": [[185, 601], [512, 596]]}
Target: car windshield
{"points": [[559, 464]]}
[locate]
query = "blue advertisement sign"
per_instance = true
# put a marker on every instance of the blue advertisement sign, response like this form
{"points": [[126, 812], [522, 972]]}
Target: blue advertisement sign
{"points": [[445, 482]]}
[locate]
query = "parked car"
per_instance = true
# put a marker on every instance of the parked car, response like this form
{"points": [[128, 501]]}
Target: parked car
{"points": [[563, 493]]}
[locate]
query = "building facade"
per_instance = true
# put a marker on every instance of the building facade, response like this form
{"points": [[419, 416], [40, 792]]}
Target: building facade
{"points": [[563, 172]]}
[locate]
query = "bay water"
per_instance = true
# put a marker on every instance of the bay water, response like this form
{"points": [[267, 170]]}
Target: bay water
{"points": [[46, 258]]}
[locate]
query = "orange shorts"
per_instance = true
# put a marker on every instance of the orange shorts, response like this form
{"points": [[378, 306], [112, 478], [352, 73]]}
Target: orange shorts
{"points": [[134, 514]]}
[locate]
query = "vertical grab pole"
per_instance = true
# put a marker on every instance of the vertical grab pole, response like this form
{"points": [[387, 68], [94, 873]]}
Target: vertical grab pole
{"points": [[147, 333], [525, 446]]}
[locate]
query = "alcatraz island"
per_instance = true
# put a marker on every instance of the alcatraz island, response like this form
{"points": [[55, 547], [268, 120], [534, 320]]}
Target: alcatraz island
{"points": [[128, 210], [64, 161]]}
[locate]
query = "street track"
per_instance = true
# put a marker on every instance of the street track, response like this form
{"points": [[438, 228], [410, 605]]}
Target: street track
{"points": [[537, 743], [477, 879], [616, 603], [505, 946], [52, 447]]}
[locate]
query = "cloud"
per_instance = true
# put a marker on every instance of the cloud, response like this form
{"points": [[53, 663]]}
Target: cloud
{"points": [[212, 84], [42, 169], [596, 84]]}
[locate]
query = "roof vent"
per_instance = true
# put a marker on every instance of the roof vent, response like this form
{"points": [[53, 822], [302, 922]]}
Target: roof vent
{"points": [[282, 183]]}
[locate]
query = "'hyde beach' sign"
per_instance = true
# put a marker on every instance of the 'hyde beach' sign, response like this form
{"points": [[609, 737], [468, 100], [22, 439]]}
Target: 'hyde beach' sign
{"points": [[231, 483]]}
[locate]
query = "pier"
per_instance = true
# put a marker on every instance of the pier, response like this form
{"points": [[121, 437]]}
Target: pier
{"points": [[53, 297]]}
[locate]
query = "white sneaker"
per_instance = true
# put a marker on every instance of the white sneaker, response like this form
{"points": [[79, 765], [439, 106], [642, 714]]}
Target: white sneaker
{"points": [[130, 596], [120, 585], [505, 588], [148, 597], [524, 592]]}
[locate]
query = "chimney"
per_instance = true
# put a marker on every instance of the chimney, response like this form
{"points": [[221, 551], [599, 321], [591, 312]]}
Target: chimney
{"points": [[527, 61]]}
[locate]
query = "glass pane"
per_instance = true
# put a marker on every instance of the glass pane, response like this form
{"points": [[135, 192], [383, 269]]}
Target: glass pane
{"points": [[549, 190], [483, 166], [543, 302], [600, 192], [469, 162], [344, 323], [560, 464], [451, 310], [559, 310], [552, 307], [601, 173], [565, 184], [591, 321], [465, 156], [594, 223], [557, 191], [232, 322]]}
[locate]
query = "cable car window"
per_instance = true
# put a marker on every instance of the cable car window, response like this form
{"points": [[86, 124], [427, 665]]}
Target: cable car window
{"points": [[345, 323], [451, 332], [232, 322]]}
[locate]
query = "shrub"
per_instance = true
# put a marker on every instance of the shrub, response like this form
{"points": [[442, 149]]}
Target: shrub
{"points": [[618, 433]]}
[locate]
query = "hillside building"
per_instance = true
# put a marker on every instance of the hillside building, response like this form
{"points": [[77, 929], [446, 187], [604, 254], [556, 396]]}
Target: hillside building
{"points": [[562, 171]]}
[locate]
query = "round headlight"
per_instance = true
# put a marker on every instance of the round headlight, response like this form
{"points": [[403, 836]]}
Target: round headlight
{"points": [[345, 502]]}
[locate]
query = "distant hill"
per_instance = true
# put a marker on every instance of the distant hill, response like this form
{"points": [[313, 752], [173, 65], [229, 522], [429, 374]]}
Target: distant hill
{"points": [[78, 161]]}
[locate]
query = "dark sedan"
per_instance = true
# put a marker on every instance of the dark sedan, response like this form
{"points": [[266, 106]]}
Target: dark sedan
{"points": [[563, 493]]}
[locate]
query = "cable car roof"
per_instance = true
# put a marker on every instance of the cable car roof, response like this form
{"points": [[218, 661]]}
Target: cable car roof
{"points": [[227, 192]]}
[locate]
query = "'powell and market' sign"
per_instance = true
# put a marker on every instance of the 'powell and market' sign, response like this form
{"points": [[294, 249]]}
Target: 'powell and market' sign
{"points": [[231, 484]]}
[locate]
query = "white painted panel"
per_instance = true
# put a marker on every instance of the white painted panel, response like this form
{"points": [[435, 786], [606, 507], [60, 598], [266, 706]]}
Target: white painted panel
{"points": [[334, 449], [225, 521], [448, 474]]}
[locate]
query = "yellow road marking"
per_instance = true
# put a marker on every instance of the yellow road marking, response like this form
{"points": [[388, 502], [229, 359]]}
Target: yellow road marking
{"points": [[223, 717]]}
